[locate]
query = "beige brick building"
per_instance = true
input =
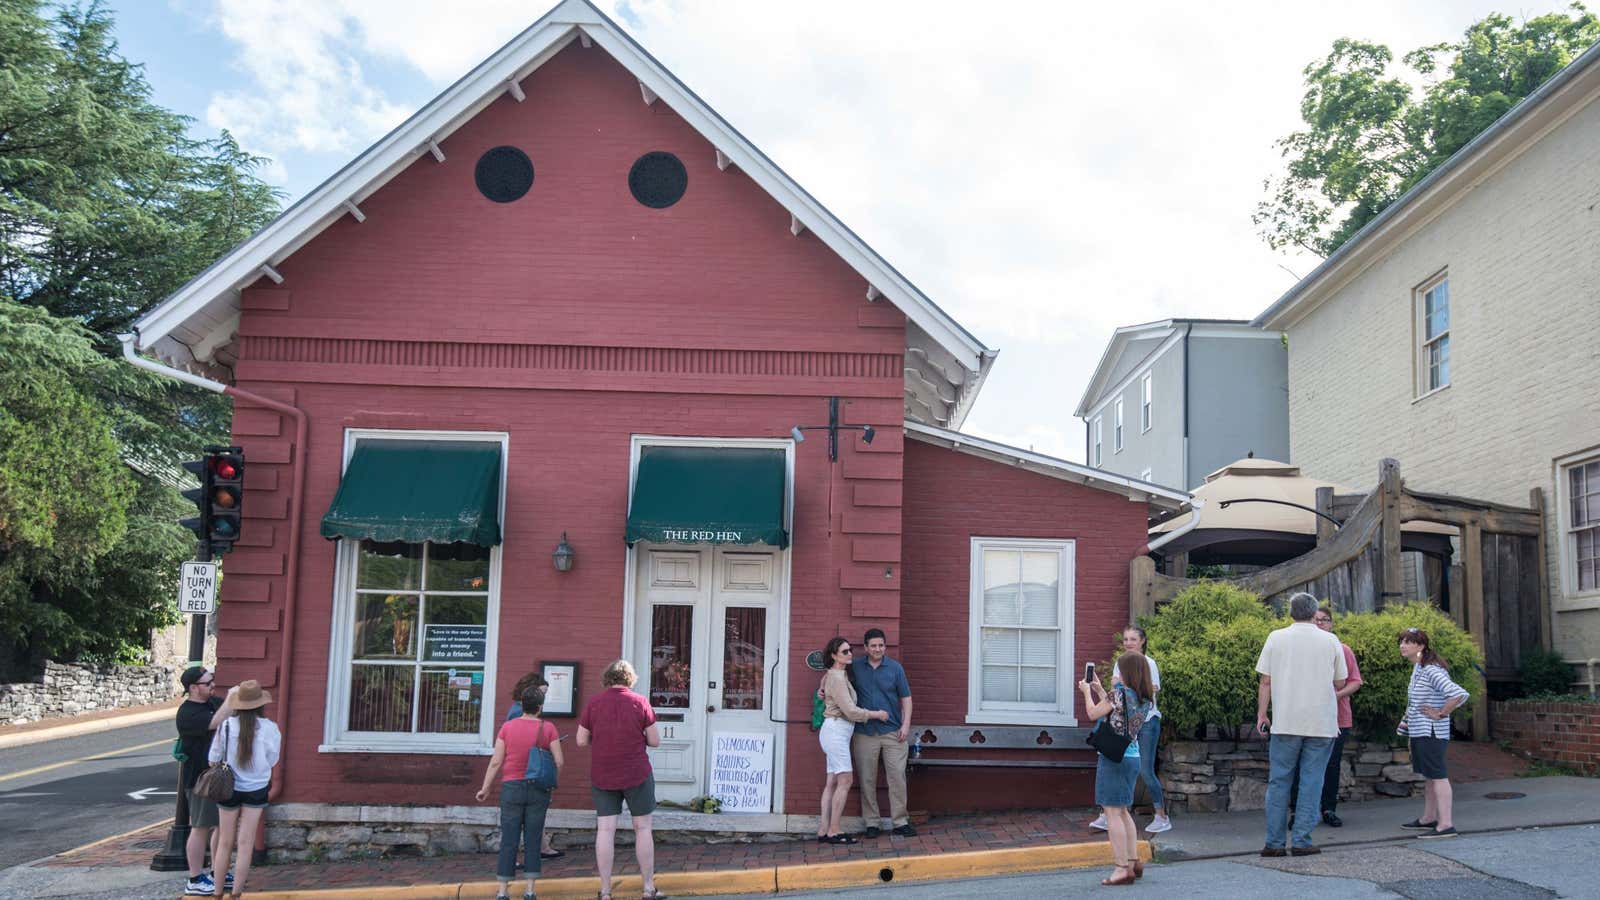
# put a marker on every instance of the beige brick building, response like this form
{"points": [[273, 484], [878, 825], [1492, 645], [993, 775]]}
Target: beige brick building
{"points": [[1460, 334]]}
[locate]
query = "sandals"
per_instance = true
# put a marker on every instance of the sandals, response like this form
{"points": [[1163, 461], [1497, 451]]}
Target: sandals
{"points": [[653, 894], [1120, 880], [837, 839]]}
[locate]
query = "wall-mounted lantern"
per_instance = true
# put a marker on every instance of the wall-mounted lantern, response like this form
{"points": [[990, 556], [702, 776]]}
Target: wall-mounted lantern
{"points": [[564, 555]]}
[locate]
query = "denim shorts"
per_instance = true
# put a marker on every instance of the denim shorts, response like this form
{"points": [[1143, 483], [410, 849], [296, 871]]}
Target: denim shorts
{"points": [[256, 799], [641, 799]]}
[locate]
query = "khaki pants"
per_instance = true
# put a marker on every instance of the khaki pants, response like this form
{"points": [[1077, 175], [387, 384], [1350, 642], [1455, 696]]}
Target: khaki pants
{"points": [[866, 749]]}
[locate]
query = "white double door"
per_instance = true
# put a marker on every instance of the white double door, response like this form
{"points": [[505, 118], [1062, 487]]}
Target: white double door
{"points": [[706, 630]]}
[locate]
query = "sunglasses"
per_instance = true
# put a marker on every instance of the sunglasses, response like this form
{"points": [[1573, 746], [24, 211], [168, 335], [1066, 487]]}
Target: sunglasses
{"points": [[844, 650]]}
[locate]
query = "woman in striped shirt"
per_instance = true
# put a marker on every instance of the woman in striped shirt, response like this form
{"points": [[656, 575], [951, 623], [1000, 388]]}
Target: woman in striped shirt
{"points": [[1430, 700]]}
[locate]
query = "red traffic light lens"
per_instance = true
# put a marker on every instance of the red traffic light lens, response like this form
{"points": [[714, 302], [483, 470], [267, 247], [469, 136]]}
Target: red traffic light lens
{"points": [[224, 468]]}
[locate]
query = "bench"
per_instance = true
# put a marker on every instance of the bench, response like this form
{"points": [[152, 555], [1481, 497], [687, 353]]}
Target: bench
{"points": [[1002, 737]]}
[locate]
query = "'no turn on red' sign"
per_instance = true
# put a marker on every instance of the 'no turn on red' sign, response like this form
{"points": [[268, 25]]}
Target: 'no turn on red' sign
{"points": [[197, 588]]}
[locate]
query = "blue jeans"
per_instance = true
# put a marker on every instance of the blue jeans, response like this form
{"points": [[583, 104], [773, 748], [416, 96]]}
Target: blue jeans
{"points": [[1289, 754], [522, 810], [1149, 736]]}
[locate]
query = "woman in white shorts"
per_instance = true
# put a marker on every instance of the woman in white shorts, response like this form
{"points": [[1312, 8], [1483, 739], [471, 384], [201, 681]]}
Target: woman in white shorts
{"points": [[837, 728]]}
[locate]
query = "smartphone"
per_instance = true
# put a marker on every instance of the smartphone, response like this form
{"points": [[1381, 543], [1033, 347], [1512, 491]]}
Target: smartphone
{"points": [[1088, 673]]}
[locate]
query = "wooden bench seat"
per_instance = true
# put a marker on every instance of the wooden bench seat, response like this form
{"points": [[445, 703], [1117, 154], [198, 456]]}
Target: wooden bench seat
{"points": [[940, 738]]}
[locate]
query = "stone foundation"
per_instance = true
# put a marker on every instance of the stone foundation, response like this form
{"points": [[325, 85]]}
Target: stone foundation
{"points": [[1221, 775], [63, 690], [317, 831]]}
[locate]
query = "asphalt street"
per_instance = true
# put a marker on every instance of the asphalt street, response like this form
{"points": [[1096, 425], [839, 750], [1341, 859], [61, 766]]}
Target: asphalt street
{"points": [[57, 795], [1513, 865]]}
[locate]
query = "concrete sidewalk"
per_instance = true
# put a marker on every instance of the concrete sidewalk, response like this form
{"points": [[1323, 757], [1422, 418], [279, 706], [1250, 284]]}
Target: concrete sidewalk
{"points": [[1479, 806], [87, 723]]}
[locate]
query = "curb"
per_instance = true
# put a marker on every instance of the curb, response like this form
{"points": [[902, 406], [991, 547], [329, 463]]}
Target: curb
{"points": [[93, 726], [764, 880]]}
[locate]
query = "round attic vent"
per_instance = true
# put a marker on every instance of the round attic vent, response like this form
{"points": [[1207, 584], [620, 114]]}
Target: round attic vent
{"points": [[658, 179], [504, 174]]}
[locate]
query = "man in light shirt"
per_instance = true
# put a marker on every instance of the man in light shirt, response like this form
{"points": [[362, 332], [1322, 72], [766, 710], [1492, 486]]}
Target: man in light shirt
{"points": [[1302, 668]]}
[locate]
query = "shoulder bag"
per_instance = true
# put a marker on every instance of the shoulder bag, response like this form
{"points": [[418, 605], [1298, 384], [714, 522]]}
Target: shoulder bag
{"points": [[216, 782], [1106, 740], [541, 770]]}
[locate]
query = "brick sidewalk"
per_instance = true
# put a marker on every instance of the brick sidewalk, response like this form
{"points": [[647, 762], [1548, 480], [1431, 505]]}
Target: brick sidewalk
{"points": [[943, 834]]}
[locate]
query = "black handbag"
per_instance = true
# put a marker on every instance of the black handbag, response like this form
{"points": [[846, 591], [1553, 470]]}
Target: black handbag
{"points": [[216, 782], [1104, 739]]}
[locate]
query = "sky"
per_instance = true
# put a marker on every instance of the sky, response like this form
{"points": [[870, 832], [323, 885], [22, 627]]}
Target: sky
{"points": [[1044, 171]]}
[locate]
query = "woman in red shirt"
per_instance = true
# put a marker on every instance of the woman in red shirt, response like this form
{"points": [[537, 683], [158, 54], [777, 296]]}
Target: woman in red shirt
{"points": [[620, 724], [523, 804]]}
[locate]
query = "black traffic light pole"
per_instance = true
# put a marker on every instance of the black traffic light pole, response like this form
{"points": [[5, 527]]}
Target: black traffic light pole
{"points": [[175, 855]]}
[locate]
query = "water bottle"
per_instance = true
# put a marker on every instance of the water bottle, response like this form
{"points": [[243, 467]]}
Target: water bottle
{"points": [[916, 750]]}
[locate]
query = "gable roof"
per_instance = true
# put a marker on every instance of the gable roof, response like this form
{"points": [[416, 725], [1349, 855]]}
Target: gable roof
{"points": [[1534, 116], [1142, 343], [1160, 498], [945, 364]]}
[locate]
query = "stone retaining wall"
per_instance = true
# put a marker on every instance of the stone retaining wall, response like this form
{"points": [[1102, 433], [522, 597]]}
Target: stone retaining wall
{"points": [[1564, 733], [1222, 775], [67, 690]]}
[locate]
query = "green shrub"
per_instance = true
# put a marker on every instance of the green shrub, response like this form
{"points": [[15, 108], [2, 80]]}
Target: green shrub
{"points": [[1375, 639], [1208, 638], [1206, 641], [1545, 672]]}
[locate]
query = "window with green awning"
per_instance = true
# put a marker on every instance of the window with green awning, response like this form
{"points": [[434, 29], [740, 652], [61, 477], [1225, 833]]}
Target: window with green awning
{"points": [[717, 495], [413, 491]]}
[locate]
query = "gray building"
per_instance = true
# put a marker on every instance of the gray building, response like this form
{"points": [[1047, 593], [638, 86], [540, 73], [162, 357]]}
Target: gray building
{"points": [[1175, 400]]}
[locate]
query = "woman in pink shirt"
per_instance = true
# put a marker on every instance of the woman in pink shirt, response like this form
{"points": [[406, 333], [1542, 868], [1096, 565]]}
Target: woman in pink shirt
{"points": [[523, 804]]}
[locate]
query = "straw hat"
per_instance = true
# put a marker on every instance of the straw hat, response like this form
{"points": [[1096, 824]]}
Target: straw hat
{"points": [[249, 695]]}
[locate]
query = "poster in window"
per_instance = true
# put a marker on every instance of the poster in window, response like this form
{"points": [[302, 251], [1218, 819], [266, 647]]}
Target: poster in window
{"points": [[561, 698]]}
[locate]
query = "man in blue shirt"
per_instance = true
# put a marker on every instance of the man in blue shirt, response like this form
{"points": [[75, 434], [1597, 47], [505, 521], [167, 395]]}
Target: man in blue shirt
{"points": [[881, 684]]}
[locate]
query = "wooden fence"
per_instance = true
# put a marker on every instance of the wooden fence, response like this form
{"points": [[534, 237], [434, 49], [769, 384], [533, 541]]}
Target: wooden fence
{"points": [[1497, 589]]}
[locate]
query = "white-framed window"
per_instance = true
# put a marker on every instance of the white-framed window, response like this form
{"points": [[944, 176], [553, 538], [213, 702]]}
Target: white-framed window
{"points": [[1144, 475], [414, 635], [1116, 427], [1020, 666], [1578, 485], [1095, 441], [1146, 396], [1433, 335]]}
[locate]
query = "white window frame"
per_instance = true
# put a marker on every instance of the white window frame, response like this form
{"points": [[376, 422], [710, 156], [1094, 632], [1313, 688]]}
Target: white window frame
{"points": [[336, 737], [1146, 402], [1062, 712], [1567, 553], [1097, 441], [1423, 344], [1145, 476], [1116, 426]]}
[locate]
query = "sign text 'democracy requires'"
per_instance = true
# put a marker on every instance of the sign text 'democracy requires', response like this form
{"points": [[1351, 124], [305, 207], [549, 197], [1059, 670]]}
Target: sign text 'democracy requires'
{"points": [[741, 772]]}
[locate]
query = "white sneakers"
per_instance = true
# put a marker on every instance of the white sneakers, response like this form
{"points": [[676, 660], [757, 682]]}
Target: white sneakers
{"points": [[1158, 825], [1099, 824]]}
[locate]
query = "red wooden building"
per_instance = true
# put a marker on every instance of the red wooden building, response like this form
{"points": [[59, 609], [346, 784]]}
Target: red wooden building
{"points": [[567, 305]]}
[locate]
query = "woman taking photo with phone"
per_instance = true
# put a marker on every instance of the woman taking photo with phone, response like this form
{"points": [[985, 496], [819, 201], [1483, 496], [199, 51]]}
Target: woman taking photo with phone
{"points": [[1123, 711]]}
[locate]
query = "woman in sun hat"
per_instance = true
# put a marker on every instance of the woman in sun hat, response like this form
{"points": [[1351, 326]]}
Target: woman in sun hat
{"points": [[249, 743]]}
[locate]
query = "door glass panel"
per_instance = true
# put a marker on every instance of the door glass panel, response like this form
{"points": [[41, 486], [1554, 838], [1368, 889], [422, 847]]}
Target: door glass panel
{"points": [[671, 655], [744, 655]]}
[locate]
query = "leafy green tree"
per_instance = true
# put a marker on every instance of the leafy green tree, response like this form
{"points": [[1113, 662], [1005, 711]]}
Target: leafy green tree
{"points": [[1371, 134], [106, 203]]}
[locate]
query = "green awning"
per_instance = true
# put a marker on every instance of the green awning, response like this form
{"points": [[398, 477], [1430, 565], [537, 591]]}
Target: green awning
{"points": [[440, 491], [715, 495]]}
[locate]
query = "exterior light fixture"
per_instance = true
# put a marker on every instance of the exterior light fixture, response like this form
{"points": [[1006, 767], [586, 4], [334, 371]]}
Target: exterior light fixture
{"points": [[833, 428], [564, 555]]}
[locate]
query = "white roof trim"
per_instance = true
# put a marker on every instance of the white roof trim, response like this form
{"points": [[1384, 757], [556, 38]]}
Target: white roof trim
{"points": [[219, 283], [1132, 488]]}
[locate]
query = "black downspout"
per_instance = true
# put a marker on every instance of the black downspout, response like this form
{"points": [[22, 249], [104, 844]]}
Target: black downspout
{"points": [[1186, 329]]}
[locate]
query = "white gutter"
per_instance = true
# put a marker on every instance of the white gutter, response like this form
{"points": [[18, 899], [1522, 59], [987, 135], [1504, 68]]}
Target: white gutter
{"points": [[132, 356], [1195, 505]]}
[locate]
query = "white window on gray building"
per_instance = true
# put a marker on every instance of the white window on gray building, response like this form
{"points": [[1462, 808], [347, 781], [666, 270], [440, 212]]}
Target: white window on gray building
{"points": [[1580, 519], [1116, 428], [1146, 391], [1433, 335], [1094, 451]]}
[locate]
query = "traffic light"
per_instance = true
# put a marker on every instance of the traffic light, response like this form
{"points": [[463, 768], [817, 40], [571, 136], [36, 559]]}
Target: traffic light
{"points": [[218, 500], [226, 489]]}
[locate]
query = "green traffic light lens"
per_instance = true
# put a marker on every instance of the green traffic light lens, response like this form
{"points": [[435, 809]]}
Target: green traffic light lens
{"points": [[222, 528]]}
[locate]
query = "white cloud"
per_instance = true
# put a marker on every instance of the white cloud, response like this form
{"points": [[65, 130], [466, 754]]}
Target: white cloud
{"points": [[1045, 171]]}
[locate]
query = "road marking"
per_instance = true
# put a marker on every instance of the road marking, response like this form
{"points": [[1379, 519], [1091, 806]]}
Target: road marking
{"points": [[147, 793], [84, 759]]}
